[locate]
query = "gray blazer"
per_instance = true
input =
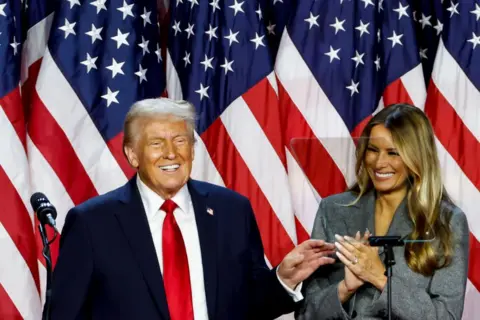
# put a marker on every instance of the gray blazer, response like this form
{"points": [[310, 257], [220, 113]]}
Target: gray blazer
{"points": [[414, 296]]}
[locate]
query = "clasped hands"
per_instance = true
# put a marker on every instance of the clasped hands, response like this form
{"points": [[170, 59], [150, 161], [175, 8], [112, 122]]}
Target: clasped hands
{"points": [[362, 262]]}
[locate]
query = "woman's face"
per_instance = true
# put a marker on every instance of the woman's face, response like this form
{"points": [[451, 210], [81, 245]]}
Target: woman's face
{"points": [[383, 163]]}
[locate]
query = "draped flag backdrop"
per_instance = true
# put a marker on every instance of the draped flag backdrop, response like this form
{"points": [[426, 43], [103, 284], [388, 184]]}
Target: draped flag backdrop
{"points": [[265, 76]]}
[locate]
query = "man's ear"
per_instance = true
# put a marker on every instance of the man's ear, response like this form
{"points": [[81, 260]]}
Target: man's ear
{"points": [[131, 156]]}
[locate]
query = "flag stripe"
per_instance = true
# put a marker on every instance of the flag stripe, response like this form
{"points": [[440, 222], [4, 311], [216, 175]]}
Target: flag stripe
{"points": [[474, 262], [12, 107], [7, 307]]}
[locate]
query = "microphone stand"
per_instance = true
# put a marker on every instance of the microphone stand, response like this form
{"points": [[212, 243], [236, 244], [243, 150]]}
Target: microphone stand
{"points": [[388, 243], [48, 261]]}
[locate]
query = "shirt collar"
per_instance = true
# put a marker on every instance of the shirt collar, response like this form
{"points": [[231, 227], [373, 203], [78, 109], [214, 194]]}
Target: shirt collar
{"points": [[152, 201]]}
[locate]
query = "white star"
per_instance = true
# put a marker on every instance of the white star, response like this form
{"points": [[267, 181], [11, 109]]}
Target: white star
{"points": [[144, 45], [338, 25], [237, 7], [423, 53], [377, 62], [333, 54], [187, 58], [227, 66], [402, 11], [312, 20], [94, 33], [367, 2], [193, 2], [2, 9], [453, 9], [438, 27], [72, 3], [121, 38], [14, 45], [146, 16], [353, 87], [425, 21], [116, 68], [380, 5], [476, 11], [232, 37], [176, 27], [379, 35], [363, 28], [258, 40], [68, 28], [100, 4], [110, 96], [207, 62], [271, 28], [358, 58], [90, 63], [214, 5], [259, 12], [189, 30], [141, 73], [179, 1], [126, 9], [475, 40], [211, 32], [275, 1], [158, 52], [395, 39], [202, 91]]}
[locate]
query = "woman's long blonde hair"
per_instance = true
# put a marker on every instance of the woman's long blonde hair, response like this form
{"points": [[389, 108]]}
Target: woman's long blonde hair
{"points": [[414, 140]]}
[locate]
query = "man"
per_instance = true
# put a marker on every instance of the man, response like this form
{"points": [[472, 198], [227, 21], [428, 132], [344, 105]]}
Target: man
{"points": [[165, 246]]}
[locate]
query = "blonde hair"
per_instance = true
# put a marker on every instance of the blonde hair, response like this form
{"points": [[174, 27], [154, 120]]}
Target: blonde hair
{"points": [[414, 140]]}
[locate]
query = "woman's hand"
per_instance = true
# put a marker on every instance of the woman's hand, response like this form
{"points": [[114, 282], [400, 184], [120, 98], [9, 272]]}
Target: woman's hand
{"points": [[362, 261], [352, 282]]}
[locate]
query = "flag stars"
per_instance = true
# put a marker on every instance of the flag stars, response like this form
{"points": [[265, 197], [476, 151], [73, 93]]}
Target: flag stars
{"points": [[475, 40], [259, 12], [353, 87], [99, 4], [395, 39], [211, 32], [146, 17], [438, 27], [187, 59], [215, 5], [72, 3], [476, 11], [423, 53], [202, 91], [363, 28], [158, 52], [271, 28], [141, 74], [207, 62], [95, 33], [2, 9], [90, 62], [121, 38], [227, 66], [144, 45], [176, 27], [126, 10], [402, 11], [110, 96], [232, 37], [453, 9], [312, 20], [368, 2], [189, 30], [15, 45], [425, 21], [258, 41], [237, 7], [377, 63], [333, 54], [68, 28], [338, 25], [358, 58], [193, 2], [116, 68]]}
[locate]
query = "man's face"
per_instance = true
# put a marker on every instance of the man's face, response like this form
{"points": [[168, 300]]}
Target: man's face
{"points": [[163, 154]]}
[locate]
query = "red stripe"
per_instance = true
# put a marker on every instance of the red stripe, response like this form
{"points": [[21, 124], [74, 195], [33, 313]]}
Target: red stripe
{"points": [[13, 108], [28, 87], [263, 102], [312, 157], [115, 146], [7, 309], [474, 262], [16, 220], [238, 177], [302, 234], [453, 134], [395, 92]]}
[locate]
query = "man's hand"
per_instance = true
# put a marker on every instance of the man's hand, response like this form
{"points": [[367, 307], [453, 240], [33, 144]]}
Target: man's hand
{"points": [[302, 261]]}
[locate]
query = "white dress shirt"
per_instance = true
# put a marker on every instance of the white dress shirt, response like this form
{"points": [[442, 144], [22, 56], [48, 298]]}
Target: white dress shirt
{"points": [[185, 217]]}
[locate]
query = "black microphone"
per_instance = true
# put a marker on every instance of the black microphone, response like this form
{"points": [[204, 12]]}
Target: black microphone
{"points": [[46, 212]]}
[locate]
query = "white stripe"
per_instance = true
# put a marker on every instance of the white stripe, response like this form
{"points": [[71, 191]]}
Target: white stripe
{"points": [[471, 308], [305, 198], [68, 111], [35, 44], [457, 89], [262, 161], [203, 167], [413, 82], [174, 87], [17, 280], [43, 280], [321, 116], [272, 79]]}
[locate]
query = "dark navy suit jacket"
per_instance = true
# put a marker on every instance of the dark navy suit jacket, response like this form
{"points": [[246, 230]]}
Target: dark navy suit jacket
{"points": [[108, 268]]}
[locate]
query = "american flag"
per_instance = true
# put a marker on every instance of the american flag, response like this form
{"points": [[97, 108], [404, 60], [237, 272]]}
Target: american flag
{"points": [[276, 84]]}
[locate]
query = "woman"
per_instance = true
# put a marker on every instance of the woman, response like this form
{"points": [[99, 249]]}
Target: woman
{"points": [[398, 192]]}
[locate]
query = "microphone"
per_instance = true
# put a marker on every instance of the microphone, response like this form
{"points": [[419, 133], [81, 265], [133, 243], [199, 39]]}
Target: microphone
{"points": [[46, 212]]}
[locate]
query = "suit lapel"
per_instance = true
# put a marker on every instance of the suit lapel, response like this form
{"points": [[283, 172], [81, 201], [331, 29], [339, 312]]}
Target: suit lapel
{"points": [[133, 221], [206, 219]]}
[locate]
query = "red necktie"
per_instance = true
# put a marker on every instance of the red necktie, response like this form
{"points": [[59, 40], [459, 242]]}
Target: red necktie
{"points": [[176, 276]]}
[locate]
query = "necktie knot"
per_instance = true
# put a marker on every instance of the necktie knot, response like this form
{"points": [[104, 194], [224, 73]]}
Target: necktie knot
{"points": [[168, 206]]}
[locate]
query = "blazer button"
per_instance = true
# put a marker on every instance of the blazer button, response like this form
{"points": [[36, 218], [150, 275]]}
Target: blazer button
{"points": [[354, 314]]}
